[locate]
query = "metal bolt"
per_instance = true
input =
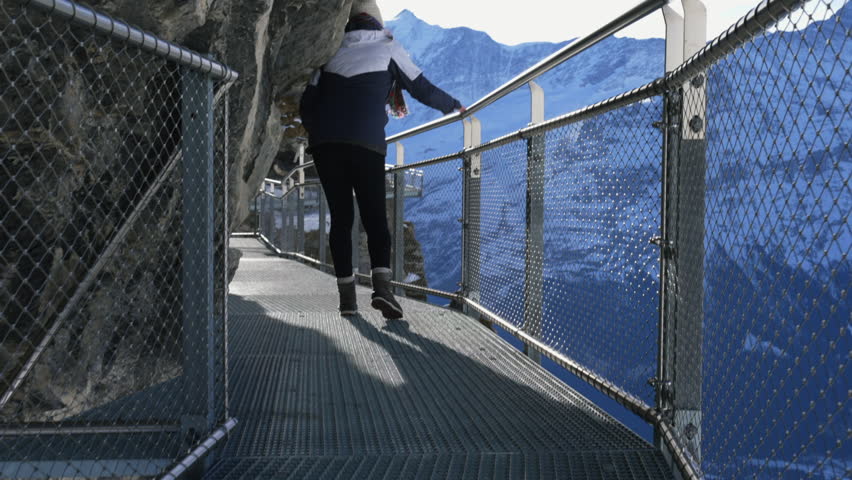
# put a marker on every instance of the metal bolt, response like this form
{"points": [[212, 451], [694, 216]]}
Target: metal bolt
{"points": [[675, 97], [697, 81], [696, 124], [690, 431], [658, 241], [476, 171]]}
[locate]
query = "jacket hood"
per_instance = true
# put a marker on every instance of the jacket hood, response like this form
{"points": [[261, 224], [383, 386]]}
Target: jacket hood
{"points": [[365, 36]]}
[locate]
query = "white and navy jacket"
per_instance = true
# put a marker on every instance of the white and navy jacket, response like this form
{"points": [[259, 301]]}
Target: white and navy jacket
{"points": [[345, 100]]}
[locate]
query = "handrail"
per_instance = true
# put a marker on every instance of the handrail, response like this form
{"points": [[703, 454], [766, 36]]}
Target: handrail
{"points": [[626, 19], [736, 35], [127, 33]]}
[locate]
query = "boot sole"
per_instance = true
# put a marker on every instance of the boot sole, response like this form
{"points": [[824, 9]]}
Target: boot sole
{"points": [[388, 310], [347, 313]]}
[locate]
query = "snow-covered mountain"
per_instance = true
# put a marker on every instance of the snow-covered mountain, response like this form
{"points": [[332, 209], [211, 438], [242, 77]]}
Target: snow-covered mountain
{"points": [[468, 64], [777, 268]]}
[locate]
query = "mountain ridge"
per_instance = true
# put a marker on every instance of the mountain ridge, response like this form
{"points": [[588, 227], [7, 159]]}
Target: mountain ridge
{"points": [[469, 64]]}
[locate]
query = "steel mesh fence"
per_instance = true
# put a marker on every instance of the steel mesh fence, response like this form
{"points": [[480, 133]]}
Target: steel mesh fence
{"points": [[600, 269], [565, 223], [113, 253], [317, 222], [291, 216], [761, 203], [432, 233], [500, 233]]}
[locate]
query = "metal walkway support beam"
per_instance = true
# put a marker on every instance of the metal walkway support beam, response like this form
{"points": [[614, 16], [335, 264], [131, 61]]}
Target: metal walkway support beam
{"points": [[199, 363], [534, 238]]}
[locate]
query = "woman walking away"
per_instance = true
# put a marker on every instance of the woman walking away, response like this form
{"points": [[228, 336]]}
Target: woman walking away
{"points": [[344, 111]]}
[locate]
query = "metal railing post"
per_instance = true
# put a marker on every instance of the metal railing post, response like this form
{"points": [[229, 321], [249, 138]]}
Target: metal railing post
{"points": [[199, 367], [679, 377], [471, 210], [662, 383], [300, 203], [398, 219], [534, 238], [689, 239]]}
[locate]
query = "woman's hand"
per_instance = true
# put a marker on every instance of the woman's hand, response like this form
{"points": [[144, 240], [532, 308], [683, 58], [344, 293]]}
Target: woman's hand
{"points": [[462, 109]]}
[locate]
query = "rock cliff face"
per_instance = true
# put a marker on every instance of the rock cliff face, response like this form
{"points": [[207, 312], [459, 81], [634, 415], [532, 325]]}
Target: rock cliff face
{"points": [[273, 44], [81, 142]]}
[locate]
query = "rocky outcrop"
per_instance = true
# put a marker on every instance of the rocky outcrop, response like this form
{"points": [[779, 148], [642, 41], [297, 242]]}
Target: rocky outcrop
{"points": [[273, 44], [87, 129]]}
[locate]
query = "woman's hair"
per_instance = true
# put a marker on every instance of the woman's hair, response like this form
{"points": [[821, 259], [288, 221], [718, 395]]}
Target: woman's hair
{"points": [[363, 21]]}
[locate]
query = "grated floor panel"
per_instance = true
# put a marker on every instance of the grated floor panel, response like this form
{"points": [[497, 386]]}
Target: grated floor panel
{"points": [[435, 395]]}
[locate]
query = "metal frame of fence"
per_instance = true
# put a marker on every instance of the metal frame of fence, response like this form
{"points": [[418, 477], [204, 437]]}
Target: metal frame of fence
{"points": [[198, 160], [683, 124]]}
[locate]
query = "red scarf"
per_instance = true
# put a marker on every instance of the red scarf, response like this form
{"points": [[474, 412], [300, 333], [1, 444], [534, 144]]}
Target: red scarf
{"points": [[396, 102]]}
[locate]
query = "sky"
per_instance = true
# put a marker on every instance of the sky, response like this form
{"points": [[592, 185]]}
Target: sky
{"points": [[555, 20]]}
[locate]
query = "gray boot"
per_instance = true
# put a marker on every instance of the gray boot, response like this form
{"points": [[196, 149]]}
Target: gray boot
{"points": [[348, 301], [383, 299]]}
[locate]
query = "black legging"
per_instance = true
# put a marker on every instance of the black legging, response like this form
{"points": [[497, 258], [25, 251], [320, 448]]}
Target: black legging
{"points": [[342, 168]]}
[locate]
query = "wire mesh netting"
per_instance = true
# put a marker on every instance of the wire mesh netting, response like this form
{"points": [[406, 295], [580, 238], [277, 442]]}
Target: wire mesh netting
{"points": [[294, 217], [601, 271], [279, 217], [564, 252], [112, 253], [317, 222], [432, 230], [766, 377]]}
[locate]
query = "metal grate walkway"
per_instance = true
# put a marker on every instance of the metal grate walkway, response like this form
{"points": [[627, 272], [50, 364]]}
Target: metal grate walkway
{"points": [[435, 395]]}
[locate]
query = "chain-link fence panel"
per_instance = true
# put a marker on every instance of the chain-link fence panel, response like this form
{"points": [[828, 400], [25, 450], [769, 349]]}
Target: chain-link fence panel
{"points": [[760, 270], [113, 252], [431, 230], [317, 223], [497, 230], [270, 210], [601, 196], [566, 220]]}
